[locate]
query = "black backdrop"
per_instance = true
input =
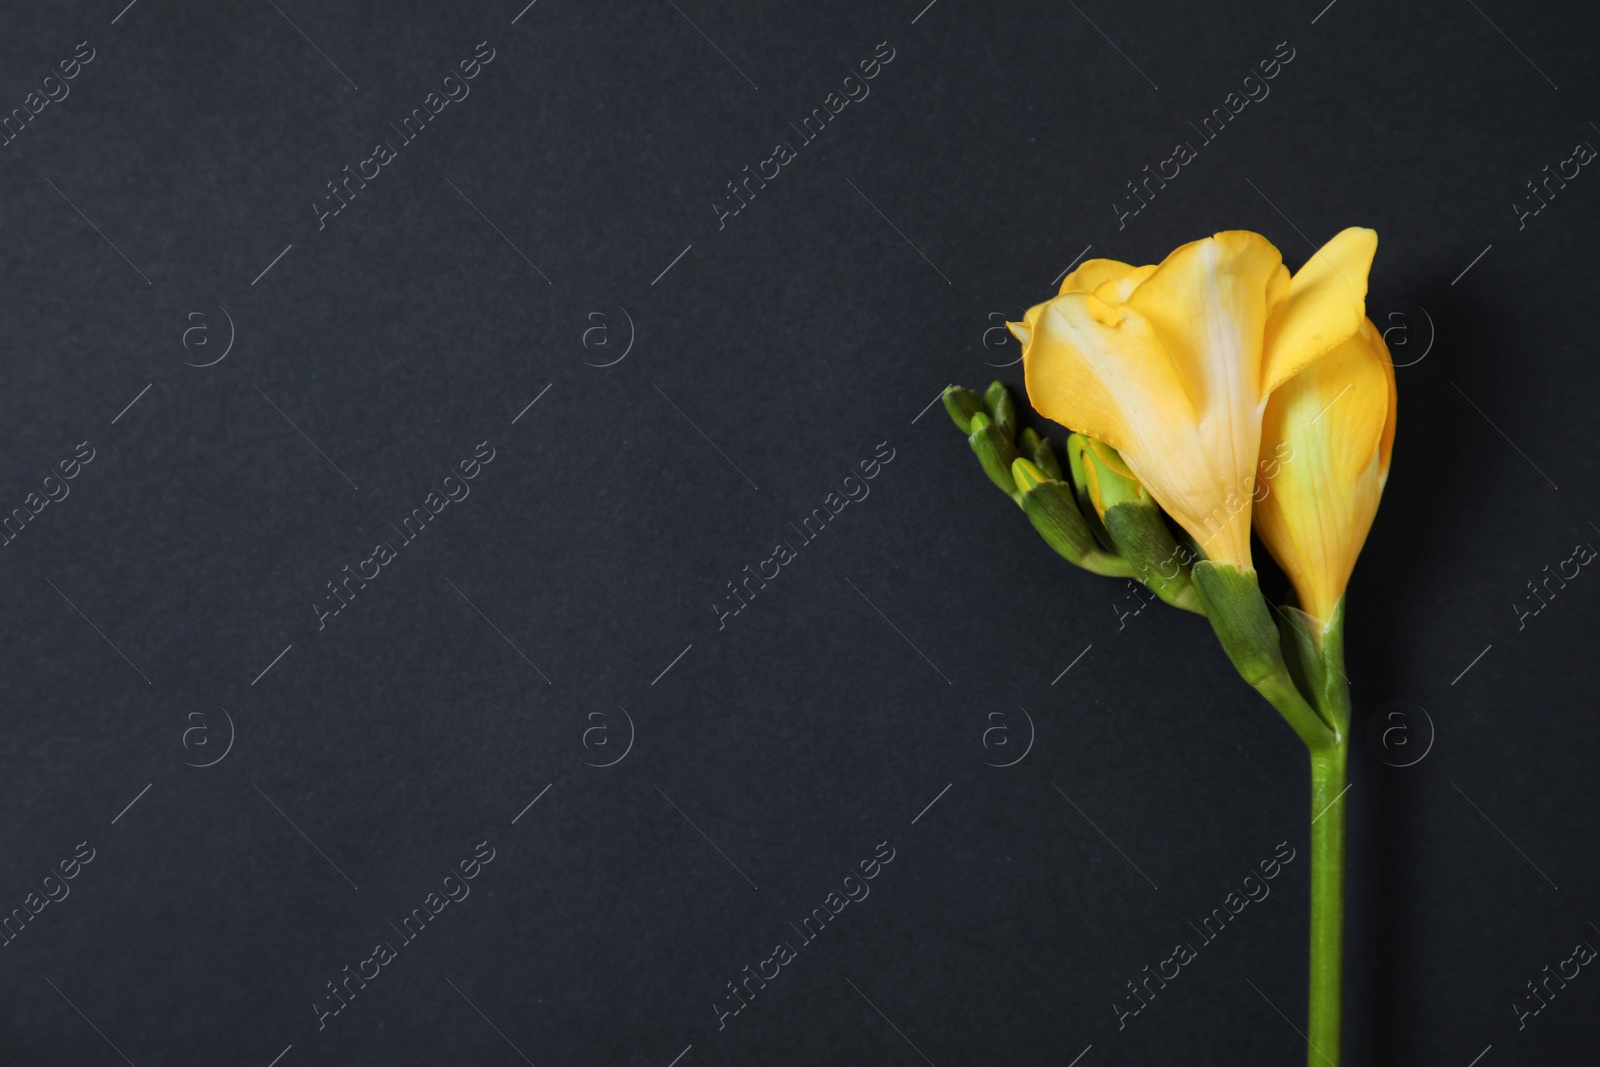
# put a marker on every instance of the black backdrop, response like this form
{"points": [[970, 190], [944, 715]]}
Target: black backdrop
{"points": [[267, 392]]}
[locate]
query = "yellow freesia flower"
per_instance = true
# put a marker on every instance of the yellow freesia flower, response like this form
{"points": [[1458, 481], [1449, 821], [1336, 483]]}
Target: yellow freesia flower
{"points": [[1332, 425], [1172, 364]]}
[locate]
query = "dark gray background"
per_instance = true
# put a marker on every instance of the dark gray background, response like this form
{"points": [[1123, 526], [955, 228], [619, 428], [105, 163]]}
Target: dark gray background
{"points": [[818, 323]]}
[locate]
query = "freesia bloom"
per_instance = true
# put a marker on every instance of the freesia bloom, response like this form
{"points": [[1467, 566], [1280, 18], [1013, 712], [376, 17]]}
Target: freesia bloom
{"points": [[1334, 421], [1172, 364]]}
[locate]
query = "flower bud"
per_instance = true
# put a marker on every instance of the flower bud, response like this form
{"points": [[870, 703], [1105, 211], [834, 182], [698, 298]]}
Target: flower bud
{"points": [[1002, 408], [1027, 441], [1045, 457], [1027, 475], [993, 445], [1108, 481], [962, 404], [1076, 444], [1049, 505], [1135, 525]]}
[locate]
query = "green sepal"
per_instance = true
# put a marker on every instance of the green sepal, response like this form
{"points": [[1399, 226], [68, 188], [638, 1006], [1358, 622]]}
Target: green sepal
{"points": [[1050, 506], [993, 445], [962, 404], [1045, 457], [1135, 524], [1314, 651], [1002, 408], [1243, 624], [1142, 538]]}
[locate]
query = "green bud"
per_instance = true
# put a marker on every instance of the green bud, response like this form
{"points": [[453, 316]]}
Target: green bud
{"points": [[1076, 445], [1045, 457], [1026, 475], [962, 404], [997, 398], [1107, 479], [1143, 538], [1049, 505], [1136, 525], [993, 445]]}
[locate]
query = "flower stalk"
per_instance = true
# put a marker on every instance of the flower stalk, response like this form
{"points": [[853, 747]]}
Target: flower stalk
{"points": [[1325, 1014], [1321, 650]]}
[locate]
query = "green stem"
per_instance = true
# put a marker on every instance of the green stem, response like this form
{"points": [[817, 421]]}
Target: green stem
{"points": [[1328, 783], [1300, 671], [1315, 656]]}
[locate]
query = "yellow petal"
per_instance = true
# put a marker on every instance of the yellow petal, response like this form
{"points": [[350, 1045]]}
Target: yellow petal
{"points": [[1209, 302], [1325, 446], [1117, 290], [1098, 369], [1093, 273], [1386, 442], [1325, 308]]}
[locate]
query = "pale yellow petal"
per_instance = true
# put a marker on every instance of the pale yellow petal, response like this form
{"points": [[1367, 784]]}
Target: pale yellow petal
{"points": [[1209, 303], [1325, 307], [1324, 448]]}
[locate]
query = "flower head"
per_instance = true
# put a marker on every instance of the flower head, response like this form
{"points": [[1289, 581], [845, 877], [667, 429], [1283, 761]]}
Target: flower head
{"points": [[1172, 365]]}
